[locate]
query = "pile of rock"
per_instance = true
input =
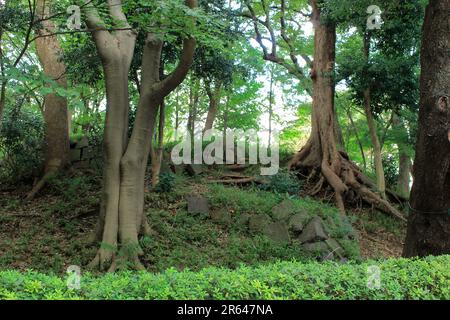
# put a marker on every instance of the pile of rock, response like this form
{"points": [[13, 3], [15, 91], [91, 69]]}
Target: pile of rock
{"points": [[288, 224], [81, 153]]}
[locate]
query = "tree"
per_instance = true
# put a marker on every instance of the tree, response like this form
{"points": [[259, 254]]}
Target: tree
{"points": [[14, 18], [125, 160], [56, 115], [386, 66], [429, 221], [320, 158]]}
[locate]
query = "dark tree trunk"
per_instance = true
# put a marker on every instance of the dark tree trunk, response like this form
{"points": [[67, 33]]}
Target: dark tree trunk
{"points": [[56, 114], [429, 222]]}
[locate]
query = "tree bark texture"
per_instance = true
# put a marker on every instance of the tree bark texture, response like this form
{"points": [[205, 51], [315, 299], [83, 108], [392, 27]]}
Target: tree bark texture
{"points": [[122, 207], [428, 230]]}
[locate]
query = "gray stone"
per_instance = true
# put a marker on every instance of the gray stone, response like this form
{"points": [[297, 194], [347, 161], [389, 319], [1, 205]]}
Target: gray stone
{"points": [[243, 220], [259, 222], [198, 205], [313, 232], [193, 169], [335, 247], [297, 221], [328, 256], [221, 216], [320, 248], [278, 232], [283, 210]]}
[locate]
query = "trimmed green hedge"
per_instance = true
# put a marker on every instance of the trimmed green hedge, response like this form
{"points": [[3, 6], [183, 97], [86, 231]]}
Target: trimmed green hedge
{"points": [[427, 278]]}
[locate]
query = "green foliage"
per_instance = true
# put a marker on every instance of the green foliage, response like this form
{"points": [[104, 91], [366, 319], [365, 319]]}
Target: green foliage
{"points": [[284, 182], [243, 201], [166, 182], [21, 136], [390, 166], [70, 188], [182, 241], [427, 279]]}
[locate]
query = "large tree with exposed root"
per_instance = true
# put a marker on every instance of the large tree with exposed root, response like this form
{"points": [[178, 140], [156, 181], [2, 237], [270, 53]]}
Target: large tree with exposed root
{"points": [[125, 159], [321, 159]]}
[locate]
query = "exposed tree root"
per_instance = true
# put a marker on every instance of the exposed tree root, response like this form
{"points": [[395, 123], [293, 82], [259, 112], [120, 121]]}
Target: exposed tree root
{"points": [[346, 179], [39, 186], [111, 258], [52, 168], [103, 260], [236, 167]]}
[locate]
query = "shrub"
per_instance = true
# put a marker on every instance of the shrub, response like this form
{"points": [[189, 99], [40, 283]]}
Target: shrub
{"points": [[284, 182], [427, 278], [390, 166], [21, 152], [166, 182]]}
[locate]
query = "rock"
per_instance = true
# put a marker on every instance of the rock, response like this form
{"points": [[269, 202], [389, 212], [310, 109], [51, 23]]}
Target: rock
{"points": [[198, 205], [221, 216], [259, 222], [335, 247], [283, 210], [167, 159], [313, 232], [328, 256], [243, 220], [278, 232], [297, 221], [193, 169], [262, 180], [320, 248]]}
